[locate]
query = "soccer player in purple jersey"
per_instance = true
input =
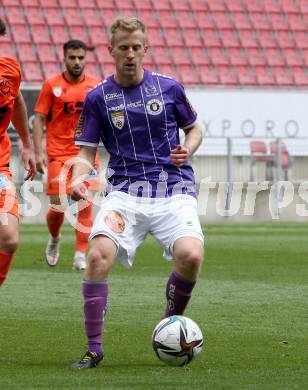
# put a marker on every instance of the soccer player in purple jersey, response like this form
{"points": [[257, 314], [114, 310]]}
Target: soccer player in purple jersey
{"points": [[151, 188]]}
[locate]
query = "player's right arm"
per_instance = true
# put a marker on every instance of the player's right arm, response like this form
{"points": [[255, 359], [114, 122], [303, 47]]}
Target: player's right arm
{"points": [[83, 165], [38, 131]]}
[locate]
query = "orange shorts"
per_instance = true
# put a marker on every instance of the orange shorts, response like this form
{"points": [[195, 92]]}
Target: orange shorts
{"points": [[8, 197], [60, 176]]}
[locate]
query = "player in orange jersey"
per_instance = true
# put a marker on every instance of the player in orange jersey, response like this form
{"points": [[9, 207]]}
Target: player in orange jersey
{"points": [[58, 107], [12, 108]]}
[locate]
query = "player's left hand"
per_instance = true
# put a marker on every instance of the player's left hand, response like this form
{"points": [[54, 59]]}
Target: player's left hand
{"points": [[180, 155], [28, 159]]}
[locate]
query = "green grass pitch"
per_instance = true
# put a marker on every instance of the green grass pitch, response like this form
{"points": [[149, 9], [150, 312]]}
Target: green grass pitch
{"points": [[251, 303]]}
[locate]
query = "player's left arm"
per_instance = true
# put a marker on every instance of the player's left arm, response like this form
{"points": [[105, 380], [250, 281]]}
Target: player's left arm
{"points": [[193, 139], [20, 122]]}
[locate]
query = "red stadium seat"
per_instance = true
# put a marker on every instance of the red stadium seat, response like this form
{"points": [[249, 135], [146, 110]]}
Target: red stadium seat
{"points": [[92, 17], [173, 37], [180, 56], [227, 75], [124, 5], [181, 5], [293, 57], [161, 56], [285, 159], [10, 3], [260, 21], [192, 38], [256, 57], [305, 56], [85, 5], [59, 34], [279, 22], [103, 5], [26, 52], [188, 75], [46, 53], [161, 5], [241, 21], [208, 75], [248, 39], [218, 56], [217, 5], [266, 38], [199, 6], [35, 16], [246, 75], [68, 3], [15, 15], [301, 39], [98, 36], [297, 22], [265, 76], [167, 20], [223, 21], [237, 56], [50, 69], [285, 39], [21, 33], [49, 3], [73, 17], [274, 57], [102, 54], [199, 56], [254, 5], [108, 15], [8, 50], [40, 34], [143, 5], [301, 76], [186, 19], [54, 17], [229, 38], [235, 6], [155, 37], [211, 39], [272, 6], [94, 71], [79, 32], [108, 70], [30, 3], [283, 76], [91, 57], [258, 152], [205, 21], [167, 70], [32, 72], [149, 18], [303, 6]]}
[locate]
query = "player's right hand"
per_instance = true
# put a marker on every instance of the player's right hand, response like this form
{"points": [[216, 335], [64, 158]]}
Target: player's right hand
{"points": [[79, 192], [40, 164]]}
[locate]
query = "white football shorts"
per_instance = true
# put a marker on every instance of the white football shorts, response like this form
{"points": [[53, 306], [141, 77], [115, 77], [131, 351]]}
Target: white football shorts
{"points": [[128, 219]]}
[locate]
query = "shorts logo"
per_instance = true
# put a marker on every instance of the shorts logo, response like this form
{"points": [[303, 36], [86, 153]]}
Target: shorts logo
{"points": [[115, 222], [57, 91], [154, 107], [118, 119]]}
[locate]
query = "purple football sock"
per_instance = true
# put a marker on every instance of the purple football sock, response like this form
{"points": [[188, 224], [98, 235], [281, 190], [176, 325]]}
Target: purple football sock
{"points": [[178, 293], [95, 295]]}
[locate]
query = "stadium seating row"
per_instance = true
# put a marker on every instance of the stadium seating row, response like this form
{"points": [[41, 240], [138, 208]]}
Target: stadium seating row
{"points": [[221, 42]]}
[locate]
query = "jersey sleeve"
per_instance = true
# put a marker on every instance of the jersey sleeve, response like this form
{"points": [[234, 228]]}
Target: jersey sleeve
{"points": [[87, 131], [45, 99], [186, 116]]}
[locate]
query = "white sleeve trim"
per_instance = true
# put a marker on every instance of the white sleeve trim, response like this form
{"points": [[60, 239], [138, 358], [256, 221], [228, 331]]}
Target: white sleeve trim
{"points": [[84, 143], [189, 126]]}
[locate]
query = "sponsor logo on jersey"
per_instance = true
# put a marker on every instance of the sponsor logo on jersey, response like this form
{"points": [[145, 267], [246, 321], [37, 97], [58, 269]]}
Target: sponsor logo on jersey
{"points": [[154, 107], [112, 96], [150, 90], [79, 127], [57, 91], [118, 119], [116, 108], [135, 104]]}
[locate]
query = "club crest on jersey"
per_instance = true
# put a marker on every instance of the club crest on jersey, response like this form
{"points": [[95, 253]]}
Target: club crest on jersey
{"points": [[57, 91], [118, 119], [154, 107]]}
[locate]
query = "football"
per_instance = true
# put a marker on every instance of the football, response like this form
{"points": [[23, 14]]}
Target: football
{"points": [[177, 340]]}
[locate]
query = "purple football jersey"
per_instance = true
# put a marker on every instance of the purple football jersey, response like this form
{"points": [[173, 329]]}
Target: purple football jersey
{"points": [[139, 126]]}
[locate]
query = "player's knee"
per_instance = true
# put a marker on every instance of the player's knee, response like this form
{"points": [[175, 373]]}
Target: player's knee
{"points": [[97, 261], [191, 258], [9, 244]]}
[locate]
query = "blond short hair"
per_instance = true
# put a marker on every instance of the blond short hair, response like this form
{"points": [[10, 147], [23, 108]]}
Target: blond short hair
{"points": [[125, 23]]}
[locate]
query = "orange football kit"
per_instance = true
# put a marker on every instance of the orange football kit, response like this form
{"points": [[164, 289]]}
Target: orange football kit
{"points": [[10, 78], [62, 102]]}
